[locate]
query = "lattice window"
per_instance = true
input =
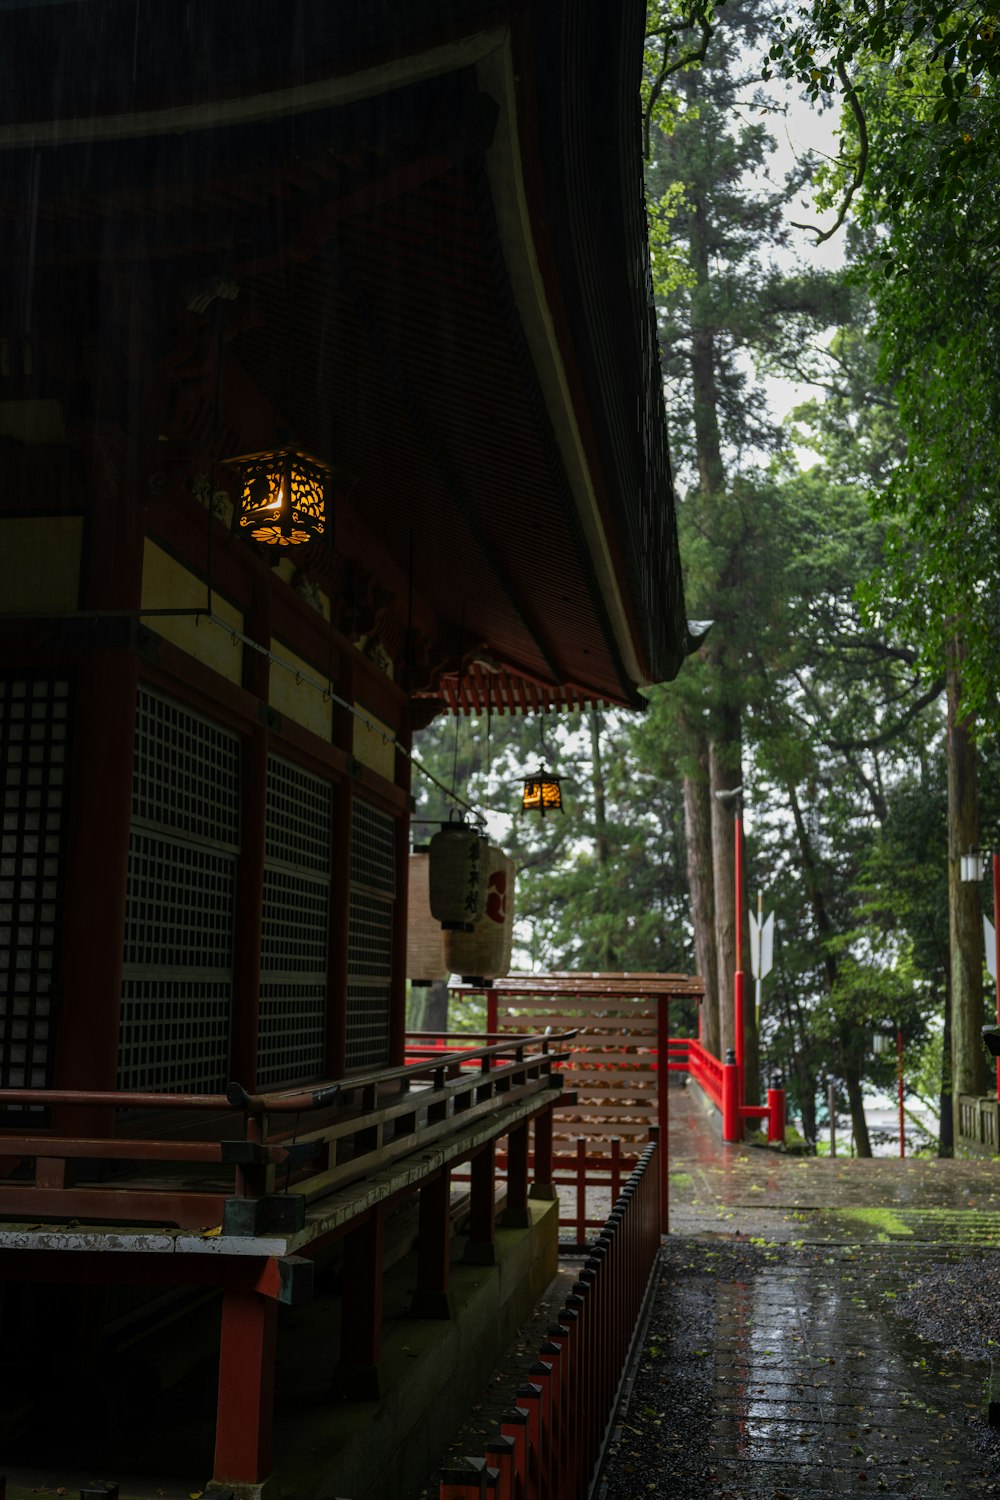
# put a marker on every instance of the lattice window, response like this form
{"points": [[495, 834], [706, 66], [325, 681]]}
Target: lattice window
{"points": [[177, 973], [291, 1043], [34, 746], [369, 942], [187, 773]]}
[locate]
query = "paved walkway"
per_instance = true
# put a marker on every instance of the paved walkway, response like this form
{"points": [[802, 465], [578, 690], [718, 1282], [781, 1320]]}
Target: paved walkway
{"points": [[785, 1356]]}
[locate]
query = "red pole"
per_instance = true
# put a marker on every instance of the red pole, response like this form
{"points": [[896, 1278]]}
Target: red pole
{"points": [[996, 929], [738, 976], [899, 1058]]}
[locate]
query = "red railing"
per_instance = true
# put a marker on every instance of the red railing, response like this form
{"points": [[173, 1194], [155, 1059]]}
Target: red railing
{"points": [[551, 1438], [689, 1056]]}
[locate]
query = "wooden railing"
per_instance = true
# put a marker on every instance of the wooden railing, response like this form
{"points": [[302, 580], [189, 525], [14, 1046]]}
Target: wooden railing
{"points": [[979, 1123], [551, 1439], [290, 1148]]}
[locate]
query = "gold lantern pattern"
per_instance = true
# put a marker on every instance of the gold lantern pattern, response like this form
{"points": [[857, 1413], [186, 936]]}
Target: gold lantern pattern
{"points": [[542, 793], [457, 876], [283, 497]]}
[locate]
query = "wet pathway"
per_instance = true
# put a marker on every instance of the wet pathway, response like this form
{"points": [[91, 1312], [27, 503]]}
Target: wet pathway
{"points": [[778, 1364]]}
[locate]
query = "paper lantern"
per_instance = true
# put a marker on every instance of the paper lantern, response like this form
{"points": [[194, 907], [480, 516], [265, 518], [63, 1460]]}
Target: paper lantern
{"points": [[542, 793], [483, 954], [425, 956], [283, 497], [457, 876]]}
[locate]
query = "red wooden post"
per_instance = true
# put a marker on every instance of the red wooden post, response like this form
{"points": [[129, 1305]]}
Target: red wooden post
{"points": [[996, 929], [732, 1120], [529, 1397], [663, 1104], [491, 1012], [516, 1215], [543, 1186], [514, 1425], [430, 1299], [246, 1386], [361, 1323], [616, 1167], [581, 1190], [540, 1374], [551, 1353], [501, 1455], [463, 1479], [481, 1249], [775, 1115]]}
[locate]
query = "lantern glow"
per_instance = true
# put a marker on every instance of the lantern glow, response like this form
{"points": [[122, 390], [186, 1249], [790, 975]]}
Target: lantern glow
{"points": [[283, 497], [542, 793]]}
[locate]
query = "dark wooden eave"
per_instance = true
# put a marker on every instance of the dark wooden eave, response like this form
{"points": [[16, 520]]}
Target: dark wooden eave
{"points": [[432, 214]]}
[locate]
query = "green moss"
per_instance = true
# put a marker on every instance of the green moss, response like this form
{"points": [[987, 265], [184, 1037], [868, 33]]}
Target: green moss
{"points": [[681, 1179], [884, 1220]]}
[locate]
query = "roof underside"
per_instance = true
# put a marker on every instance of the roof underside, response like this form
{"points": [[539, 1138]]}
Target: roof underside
{"points": [[519, 489]]}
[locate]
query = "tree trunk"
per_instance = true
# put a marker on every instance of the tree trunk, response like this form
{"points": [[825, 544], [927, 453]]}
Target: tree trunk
{"points": [[698, 843], [436, 1007], [968, 1063], [855, 1098]]}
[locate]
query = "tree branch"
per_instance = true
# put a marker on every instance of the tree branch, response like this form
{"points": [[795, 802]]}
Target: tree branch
{"points": [[860, 165]]}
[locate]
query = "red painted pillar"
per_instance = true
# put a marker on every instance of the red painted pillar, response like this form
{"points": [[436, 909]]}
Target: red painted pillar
{"points": [[246, 1386], [732, 1120], [775, 1115]]}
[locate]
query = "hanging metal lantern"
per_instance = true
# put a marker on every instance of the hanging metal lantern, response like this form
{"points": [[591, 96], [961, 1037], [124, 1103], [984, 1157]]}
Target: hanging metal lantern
{"points": [[283, 497], [457, 876], [542, 793]]}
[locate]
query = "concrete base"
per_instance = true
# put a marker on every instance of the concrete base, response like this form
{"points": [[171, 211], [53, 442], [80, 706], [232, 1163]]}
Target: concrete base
{"points": [[431, 1370]]}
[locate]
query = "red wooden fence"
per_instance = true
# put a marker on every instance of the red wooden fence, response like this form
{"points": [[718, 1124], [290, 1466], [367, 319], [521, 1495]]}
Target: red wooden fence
{"points": [[552, 1437]]}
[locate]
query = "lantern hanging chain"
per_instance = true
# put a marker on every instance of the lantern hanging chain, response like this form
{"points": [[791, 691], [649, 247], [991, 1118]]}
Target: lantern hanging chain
{"points": [[458, 699], [329, 696]]}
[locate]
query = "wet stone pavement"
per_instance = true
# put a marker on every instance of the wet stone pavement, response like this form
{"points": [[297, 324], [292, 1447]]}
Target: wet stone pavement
{"points": [[819, 1328]]}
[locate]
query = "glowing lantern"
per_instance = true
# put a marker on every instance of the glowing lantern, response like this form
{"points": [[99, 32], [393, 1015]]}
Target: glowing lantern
{"points": [[283, 497], [542, 793]]}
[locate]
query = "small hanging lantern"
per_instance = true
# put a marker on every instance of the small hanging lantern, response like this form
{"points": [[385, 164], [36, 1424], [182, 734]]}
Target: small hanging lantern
{"points": [[283, 497], [542, 793], [973, 866]]}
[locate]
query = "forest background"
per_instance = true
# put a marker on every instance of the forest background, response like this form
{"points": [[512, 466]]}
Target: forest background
{"points": [[846, 555]]}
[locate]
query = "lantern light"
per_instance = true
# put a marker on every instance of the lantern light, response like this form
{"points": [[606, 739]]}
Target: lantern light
{"points": [[283, 496], [973, 866], [542, 793]]}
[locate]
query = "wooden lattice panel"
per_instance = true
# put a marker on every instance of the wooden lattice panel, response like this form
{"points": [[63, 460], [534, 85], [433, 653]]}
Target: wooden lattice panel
{"points": [[613, 1064]]}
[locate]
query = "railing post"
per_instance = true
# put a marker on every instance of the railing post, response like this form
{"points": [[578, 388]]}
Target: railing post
{"points": [[529, 1397], [481, 1249], [776, 1110], [542, 1186], [732, 1120], [361, 1324], [463, 1479], [431, 1298], [540, 1374], [581, 1190], [514, 1425], [516, 1215], [663, 1104], [501, 1454]]}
